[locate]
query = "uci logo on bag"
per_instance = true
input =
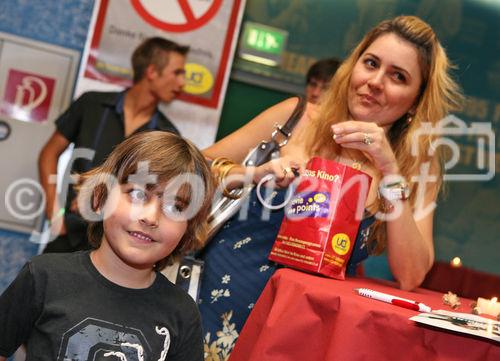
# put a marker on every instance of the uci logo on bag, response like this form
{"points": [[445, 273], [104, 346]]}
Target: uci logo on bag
{"points": [[341, 243]]}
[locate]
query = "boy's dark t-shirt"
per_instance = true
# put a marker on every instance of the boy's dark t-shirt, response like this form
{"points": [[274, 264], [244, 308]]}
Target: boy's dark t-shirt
{"points": [[62, 308]]}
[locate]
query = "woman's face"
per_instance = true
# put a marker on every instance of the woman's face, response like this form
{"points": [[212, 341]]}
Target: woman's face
{"points": [[385, 81]]}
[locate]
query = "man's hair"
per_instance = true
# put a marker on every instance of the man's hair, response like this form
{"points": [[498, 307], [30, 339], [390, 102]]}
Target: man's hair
{"points": [[322, 70], [167, 156], [154, 51]]}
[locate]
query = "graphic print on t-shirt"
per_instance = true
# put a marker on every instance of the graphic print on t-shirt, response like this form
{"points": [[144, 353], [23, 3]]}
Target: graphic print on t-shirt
{"points": [[99, 340]]}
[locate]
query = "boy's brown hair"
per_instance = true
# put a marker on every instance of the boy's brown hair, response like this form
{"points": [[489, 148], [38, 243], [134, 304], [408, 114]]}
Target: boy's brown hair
{"points": [[155, 51], [167, 155]]}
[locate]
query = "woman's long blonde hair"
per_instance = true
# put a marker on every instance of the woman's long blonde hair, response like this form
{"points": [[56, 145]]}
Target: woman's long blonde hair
{"points": [[439, 94]]}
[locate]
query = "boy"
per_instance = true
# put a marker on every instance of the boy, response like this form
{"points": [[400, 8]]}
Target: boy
{"points": [[147, 204], [318, 78]]}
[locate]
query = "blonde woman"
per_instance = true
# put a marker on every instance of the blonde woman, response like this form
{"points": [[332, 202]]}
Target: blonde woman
{"points": [[393, 81]]}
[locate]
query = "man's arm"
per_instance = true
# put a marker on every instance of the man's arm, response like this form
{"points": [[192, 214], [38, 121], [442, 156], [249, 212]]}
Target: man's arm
{"points": [[47, 165]]}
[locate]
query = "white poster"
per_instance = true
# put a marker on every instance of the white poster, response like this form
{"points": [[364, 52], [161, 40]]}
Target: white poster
{"points": [[209, 27]]}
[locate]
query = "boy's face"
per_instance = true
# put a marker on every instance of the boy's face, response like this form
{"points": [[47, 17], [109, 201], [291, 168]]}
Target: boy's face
{"points": [[138, 225], [166, 84], [314, 89]]}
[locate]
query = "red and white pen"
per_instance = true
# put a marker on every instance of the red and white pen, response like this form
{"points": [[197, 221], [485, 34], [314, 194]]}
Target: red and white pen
{"points": [[398, 301]]}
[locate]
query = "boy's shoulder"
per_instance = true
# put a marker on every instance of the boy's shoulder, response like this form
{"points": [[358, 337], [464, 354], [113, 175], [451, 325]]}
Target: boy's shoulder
{"points": [[53, 262], [176, 295]]}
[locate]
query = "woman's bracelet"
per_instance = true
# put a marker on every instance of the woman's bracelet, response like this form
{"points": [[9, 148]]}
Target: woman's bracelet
{"points": [[219, 162], [223, 166]]}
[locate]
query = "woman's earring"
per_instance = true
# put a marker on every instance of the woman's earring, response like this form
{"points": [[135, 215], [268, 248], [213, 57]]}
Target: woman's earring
{"points": [[409, 118]]}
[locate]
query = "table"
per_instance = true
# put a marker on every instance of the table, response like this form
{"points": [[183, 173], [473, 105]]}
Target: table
{"points": [[311, 318]]}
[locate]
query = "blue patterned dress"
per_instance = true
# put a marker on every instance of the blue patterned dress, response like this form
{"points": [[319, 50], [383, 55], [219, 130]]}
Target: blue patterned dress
{"points": [[237, 269]]}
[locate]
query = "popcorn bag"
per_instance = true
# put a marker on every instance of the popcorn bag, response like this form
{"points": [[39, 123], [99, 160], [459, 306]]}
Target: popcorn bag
{"points": [[322, 219]]}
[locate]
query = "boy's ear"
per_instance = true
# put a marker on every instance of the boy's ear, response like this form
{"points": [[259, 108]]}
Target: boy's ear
{"points": [[151, 72]]}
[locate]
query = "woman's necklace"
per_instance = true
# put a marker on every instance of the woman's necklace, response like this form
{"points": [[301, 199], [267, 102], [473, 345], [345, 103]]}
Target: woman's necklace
{"points": [[355, 163]]}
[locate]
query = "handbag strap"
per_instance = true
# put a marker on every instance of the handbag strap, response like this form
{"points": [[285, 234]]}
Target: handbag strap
{"points": [[296, 115], [264, 151], [286, 129], [226, 207]]}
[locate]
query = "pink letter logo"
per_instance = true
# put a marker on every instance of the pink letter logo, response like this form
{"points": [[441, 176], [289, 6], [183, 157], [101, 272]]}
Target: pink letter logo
{"points": [[27, 96]]}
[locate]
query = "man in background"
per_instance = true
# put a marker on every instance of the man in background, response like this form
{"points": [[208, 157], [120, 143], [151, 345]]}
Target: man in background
{"points": [[318, 78], [98, 121]]}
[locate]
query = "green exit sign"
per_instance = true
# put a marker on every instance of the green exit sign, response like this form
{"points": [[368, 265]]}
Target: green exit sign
{"points": [[264, 38], [262, 43]]}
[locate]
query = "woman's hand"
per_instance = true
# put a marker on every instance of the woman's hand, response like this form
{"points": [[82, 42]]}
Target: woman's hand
{"points": [[284, 169], [371, 140]]}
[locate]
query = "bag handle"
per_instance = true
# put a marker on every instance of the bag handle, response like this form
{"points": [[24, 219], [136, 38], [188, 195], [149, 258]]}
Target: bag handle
{"points": [[225, 207], [296, 115], [286, 129], [264, 151]]}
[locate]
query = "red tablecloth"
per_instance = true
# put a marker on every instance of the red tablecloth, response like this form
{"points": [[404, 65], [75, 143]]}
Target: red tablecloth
{"points": [[311, 318]]}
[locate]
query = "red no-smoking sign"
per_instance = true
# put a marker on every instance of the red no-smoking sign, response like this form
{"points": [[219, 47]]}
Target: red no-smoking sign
{"points": [[186, 15], [210, 26]]}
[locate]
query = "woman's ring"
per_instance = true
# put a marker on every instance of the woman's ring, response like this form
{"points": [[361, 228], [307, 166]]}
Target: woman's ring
{"points": [[286, 170], [367, 139]]}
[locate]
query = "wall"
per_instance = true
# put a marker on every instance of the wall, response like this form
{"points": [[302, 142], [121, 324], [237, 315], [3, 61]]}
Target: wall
{"points": [[63, 23]]}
